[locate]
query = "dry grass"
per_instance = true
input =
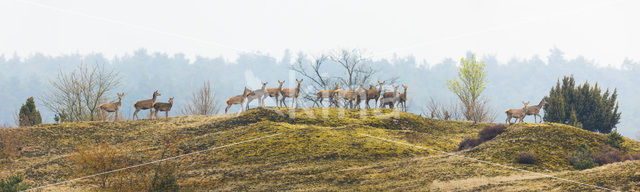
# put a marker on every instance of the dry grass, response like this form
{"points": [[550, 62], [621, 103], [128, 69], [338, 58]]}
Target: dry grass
{"points": [[312, 153]]}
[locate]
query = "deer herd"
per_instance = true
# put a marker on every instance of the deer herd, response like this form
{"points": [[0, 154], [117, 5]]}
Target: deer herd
{"points": [[350, 99]]}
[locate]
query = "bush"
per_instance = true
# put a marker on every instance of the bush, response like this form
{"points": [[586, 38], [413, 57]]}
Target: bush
{"points": [[581, 159], [12, 183], [28, 115], [526, 158], [491, 131], [469, 143], [608, 154], [486, 134], [614, 139]]}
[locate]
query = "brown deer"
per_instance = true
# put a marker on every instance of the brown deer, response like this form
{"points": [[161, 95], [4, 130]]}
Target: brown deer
{"points": [[389, 98], [519, 114], [259, 94], [275, 92], [346, 95], [238, 99], [402, 102], [293, 93], [361, 94], [145, 104], [535, 110], [166, 107], [320, 95], [373, 93], [111, 107]]}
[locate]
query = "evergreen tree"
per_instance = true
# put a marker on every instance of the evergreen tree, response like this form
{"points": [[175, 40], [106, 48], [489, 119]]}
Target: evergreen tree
{"points": [[583, 106], [28, 115]]}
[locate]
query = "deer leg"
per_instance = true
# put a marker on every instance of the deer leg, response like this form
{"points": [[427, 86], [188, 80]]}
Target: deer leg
{"points": [[226, 109], [166, 114]]}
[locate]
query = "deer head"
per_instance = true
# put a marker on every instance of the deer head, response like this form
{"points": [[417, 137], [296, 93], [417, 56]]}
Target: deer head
{"points": [[281, 83], [264, 84], [525, 104], [120, 96], [171, 100]]}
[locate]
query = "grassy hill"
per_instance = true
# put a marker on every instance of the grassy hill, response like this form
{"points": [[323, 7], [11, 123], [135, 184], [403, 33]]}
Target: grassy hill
{"points": [[315, 149]]}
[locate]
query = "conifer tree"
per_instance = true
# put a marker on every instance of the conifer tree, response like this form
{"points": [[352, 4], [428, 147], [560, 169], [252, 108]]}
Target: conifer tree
{"points": [[28, 115]]}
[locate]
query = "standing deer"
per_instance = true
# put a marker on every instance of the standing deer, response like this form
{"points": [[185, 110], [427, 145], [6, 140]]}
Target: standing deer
{"points": [[361, 94], [390, 98], [259, 94], [403, 99], [166, 107], [145, 104], [293, 93], [275, 92], [519, 114], [535, 110], [373, 93], [347, 95], [111, 107], [320, 95], [238, 99]]}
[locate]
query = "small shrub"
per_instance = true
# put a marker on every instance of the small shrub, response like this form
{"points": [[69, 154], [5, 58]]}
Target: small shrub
{"points": [[614, 139], [526, 158], [608, 154], [581, 159], [12, 183], [469, 143], [491, 131], [29, 115]]}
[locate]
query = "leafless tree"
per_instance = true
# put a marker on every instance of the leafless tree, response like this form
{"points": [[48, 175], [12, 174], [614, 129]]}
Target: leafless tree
{"points": [[78, 94], [437, 110], [203, 102], [354, 69]]}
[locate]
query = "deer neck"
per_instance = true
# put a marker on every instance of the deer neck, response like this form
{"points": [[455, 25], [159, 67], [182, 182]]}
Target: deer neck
{"points": [[539, 105], [153, 100]]}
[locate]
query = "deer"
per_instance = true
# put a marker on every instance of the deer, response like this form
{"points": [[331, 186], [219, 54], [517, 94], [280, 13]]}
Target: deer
{"points": [[238, 99], [519, 114], [347, 95], [390, 98], [373, 93], [275, 92], [166, 107], [293, 93], [320, 95], [361, 94], [111, 107], [145, 104], [535, 110], [259, 94], [403, 99]]}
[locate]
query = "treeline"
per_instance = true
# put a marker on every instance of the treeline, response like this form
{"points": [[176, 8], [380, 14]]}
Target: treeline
{"points": [[143, 72]]}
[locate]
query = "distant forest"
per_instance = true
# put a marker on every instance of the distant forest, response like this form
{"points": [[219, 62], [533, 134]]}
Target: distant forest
{"points": [[176, 76]]}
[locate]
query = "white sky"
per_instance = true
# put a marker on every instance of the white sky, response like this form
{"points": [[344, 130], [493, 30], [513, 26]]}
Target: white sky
{"points": [[604, 31]]}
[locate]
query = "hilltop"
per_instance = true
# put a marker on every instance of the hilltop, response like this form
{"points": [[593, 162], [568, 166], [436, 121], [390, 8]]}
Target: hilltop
{"points": [[318, 149]]}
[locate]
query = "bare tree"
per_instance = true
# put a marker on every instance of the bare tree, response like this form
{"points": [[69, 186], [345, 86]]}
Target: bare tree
{"points": [[354, 70], [78, 94], [437, 110], [203, 102], [357, 68]]}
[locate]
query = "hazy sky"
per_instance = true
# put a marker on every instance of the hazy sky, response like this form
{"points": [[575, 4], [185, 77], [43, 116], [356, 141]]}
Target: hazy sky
{"points": [[604, 31]]}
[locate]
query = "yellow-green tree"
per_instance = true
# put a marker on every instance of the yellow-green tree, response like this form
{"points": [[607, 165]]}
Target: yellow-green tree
{"points": [[468, 86]]}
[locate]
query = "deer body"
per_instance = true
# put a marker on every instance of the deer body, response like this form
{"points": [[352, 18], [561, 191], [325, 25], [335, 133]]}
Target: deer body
{"points": [[293, 93], [238, 99], [535, 110], [519, 114], [145, 104], [390, 98], [320, 95], [259, 94], [360, 95], [373, 93], [402, 100], [111, 107], [275, 92], [166, 107]]}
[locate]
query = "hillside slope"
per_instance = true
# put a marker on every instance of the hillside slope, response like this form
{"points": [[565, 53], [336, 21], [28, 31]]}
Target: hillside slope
{"points": [[315, 149]]}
